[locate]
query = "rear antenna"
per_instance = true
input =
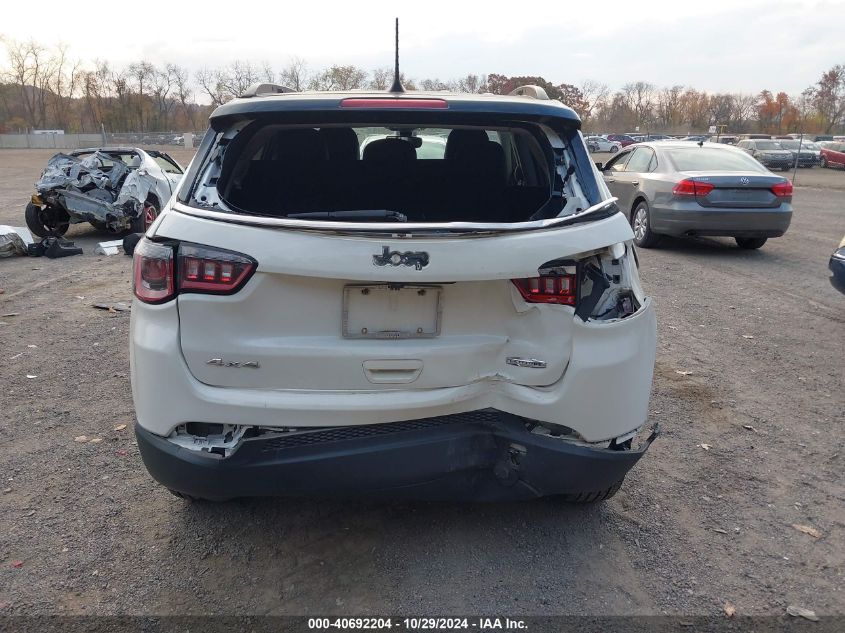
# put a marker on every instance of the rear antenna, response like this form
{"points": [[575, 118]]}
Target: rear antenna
{"points": [[397, 83]]}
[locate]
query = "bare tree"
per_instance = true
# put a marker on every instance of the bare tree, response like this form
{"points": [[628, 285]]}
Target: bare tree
{"points": [[142, 75], [235, 79], [594, 95], [31, 72], [267, 72], [639, 97], [340, 78], [295, 74], [472, 84], [210, 84], [161, 88], [382, 78], [63, 86], [669, 107], [180, 78]]}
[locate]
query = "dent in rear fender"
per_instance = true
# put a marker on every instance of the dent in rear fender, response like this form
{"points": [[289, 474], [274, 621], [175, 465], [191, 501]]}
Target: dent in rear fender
{"points": [[606, 388]]}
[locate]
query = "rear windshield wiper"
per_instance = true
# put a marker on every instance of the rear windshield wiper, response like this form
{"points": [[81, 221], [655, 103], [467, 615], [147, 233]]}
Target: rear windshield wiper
{"points": [[357, 214]]}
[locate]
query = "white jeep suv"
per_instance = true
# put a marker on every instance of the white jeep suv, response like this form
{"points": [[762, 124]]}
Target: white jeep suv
{"points": [[318, 319]]}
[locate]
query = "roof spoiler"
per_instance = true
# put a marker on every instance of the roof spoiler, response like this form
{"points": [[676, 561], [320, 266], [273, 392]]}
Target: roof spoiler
{"points": [[535, 92], [258, 89]]}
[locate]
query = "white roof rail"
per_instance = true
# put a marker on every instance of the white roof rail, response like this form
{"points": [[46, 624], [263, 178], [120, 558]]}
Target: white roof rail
{"points": [[264, 88], [535, 92]]}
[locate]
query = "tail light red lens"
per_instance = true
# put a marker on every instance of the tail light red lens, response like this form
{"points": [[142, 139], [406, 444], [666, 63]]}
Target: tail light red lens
{"points": [[212, 270], [153, 279], [203, 269], [690, 187], [558, 289], [782, 189]]}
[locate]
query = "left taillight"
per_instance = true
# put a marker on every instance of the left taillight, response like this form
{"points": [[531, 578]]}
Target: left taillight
{"points": [[161, 271], [557, 289], [153, 279], [212, 270]]}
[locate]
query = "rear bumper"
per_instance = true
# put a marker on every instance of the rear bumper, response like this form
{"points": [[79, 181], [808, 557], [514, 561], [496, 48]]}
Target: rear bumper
{"points": [[721, 222], [479, 456]]}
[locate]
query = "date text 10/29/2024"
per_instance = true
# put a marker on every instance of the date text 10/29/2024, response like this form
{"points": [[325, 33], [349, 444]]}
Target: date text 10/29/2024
{"points": [[481, 624]]}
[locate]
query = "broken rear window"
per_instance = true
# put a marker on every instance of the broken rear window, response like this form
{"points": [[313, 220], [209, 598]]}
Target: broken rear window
{"points": [[376, 173]]}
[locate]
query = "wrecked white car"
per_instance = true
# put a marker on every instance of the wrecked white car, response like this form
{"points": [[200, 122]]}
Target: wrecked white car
{"points": [[115, 189]]}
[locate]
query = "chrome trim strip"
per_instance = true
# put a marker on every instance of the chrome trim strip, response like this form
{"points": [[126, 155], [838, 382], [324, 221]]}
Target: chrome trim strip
{"points": [[388, 227]]}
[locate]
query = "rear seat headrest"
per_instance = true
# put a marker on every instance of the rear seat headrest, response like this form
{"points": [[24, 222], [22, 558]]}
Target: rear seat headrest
{"points": [[390, 150], [298, 145], [342, 143], [464, 141]]}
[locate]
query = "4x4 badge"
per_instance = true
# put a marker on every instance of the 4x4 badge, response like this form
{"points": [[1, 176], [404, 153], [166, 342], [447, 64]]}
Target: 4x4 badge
{"points": [[418, 259]]}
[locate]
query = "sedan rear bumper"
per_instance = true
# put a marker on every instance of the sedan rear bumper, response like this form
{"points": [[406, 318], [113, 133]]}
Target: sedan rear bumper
{"points": [[720, 222], [479, 456]]}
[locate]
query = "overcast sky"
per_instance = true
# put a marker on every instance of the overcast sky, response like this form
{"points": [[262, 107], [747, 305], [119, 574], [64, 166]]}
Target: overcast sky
{"points": [[716, 45]]}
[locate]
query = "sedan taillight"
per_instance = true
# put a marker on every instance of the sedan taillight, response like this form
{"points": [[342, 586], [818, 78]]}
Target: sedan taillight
{"points": [[690, 187], [558, 289], [199, 269], [782, 189]]}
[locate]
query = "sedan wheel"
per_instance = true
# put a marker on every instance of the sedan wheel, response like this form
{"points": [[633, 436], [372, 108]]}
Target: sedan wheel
{"points": [[823, 162], [643, 235], [614, 149]]}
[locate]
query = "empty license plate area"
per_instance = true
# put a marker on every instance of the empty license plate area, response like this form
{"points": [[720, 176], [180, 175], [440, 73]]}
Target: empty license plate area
{"points": [[387, 311]]}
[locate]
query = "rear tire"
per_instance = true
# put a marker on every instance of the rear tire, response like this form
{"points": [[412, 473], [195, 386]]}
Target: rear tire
{"points": [[46, 222], [593, 497], [614, 149], [148, 215], [750, 243], [641, 223]]}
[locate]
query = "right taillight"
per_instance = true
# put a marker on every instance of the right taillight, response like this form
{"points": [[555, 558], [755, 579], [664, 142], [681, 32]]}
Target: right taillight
{"points": [[559, 289], [782, 189], [690, 187], [159, 275]]}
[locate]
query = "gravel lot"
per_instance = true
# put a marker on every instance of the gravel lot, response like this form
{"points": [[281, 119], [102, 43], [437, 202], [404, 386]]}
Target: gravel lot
{"points": [[749, 363]]}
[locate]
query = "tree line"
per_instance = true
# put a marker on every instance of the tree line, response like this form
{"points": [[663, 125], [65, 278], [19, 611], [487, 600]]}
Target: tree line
{"points": [[44, 88]]}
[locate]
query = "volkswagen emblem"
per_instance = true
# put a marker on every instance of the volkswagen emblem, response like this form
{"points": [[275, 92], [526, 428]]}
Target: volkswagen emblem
{"points": [[744, 181]]}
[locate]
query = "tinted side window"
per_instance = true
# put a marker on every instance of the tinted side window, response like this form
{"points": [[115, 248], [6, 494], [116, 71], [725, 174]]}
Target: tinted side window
{"points": [[640, 160], [618, 163]]}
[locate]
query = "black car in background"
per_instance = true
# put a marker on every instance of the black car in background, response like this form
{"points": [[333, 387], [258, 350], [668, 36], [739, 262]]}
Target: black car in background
{"points": [[803, 150], [770, 153]]}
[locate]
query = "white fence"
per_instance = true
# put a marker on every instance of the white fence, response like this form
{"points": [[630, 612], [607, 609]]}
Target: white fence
{"points": [[79, 141], [50, 141]]}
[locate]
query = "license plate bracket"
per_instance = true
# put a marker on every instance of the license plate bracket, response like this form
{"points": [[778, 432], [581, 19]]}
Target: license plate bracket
{"points": [[391, 311]]}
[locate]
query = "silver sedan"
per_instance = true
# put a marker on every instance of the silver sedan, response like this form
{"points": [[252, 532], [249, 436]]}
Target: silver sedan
{"points": [[687, 189]]}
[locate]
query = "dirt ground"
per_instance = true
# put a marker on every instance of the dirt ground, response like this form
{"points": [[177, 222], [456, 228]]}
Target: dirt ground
{"points": [[748, 389]]}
